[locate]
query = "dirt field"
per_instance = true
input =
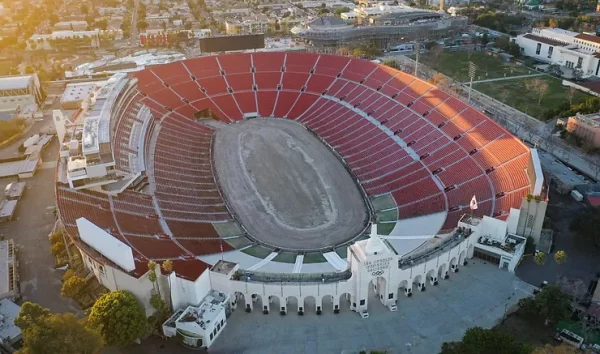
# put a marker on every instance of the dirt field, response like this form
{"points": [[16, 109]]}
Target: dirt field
{"points": [[287, 188]]}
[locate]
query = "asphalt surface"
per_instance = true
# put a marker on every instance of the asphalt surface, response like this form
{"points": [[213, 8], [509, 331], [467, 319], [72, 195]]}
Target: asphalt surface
{"points": [[286, 188], [582, 255], [38, 280]]}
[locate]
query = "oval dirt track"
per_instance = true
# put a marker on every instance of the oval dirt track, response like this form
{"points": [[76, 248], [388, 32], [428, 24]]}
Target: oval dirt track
{"points": [[287, 189]]}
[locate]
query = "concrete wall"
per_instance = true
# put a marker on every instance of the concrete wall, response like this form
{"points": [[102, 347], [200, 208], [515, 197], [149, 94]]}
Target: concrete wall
{"points": [[531, 219]]}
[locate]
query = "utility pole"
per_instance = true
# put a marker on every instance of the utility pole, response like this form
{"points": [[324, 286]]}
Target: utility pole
{"points": [[472, 70]]}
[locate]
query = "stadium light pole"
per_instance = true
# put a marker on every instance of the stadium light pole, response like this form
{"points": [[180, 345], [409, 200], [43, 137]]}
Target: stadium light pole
{"points": [[472, 70], [418, 48]]}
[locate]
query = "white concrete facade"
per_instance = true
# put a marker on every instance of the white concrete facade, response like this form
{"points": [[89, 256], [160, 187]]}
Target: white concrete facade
{"points": [[373, 265], [568, 49]]}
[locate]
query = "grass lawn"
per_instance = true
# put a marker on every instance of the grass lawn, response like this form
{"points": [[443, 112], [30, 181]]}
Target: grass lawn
{"points": [[315, 257], [238, 242], [257, 251], [385, 228], [388, 215], [515, 94], [383, 202], [456, 65], [284, 257]]}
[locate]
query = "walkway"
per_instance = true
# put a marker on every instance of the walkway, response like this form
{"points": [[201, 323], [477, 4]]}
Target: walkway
{"points": [[264, 261], [420, 326], [504, 78]]}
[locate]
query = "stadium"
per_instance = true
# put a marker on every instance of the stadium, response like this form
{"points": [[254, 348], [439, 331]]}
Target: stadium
{"points": [[287, 182]]}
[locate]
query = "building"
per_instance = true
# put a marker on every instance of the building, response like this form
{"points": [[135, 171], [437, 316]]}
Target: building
{"points": [[134, 62], [76, 93], [10, 334], [14, 190], [20, 93], [62, 39], [9, 271], [568, 49], [252, 24], [71, 26], [384, 29], [136, 182], [200, 325], [586, 127]]}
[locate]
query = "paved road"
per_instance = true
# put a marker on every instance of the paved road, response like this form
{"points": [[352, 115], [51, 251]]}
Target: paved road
{"points": [[582, 255], [134, 32], [39, 281]]}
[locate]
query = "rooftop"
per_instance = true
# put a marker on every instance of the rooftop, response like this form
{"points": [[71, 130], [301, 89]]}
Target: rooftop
{"points": [[589, 38], [559, 171], [80, 91], [544, 40], [8, 312], [14, 189], [15, 82]]}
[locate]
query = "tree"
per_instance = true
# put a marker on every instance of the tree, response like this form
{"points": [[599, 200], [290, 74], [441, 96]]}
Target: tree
{"points": [[551, 304], [84, 9], [142, 25], [48, 333], [439, 80], [554, 69], [560, 257], [73, 286], [341, 10], [586, 225], [436, 51], [61, 333], [572, 91], [167, 266], [119, 317], [485, 39], [538, 86], [479, 340], [540, 258], [577, 74], [30, 314]]}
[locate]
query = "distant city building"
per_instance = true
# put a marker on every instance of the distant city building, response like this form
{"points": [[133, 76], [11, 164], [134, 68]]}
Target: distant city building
{"points": [[385, 28], [19, 94], [71, 26], [61, 39], [248, 25], [571, 50], [586, 127], [137, 61]]}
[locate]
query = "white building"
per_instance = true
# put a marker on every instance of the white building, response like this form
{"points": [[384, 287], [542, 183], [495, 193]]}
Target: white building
{"points": [[371, 265], [20, 93], [57, 39], [87, 146], [571, 50]]}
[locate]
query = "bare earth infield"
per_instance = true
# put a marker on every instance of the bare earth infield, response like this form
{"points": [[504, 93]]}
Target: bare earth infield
{"points": [[286, 188]]}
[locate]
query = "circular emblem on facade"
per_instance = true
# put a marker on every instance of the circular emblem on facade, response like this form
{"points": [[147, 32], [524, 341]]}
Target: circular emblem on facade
{"points": [[377, 273]]}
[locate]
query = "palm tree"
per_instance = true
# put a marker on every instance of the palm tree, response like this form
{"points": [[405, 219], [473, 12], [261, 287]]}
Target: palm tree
{"points": [[540, 258], [560, 257]]}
